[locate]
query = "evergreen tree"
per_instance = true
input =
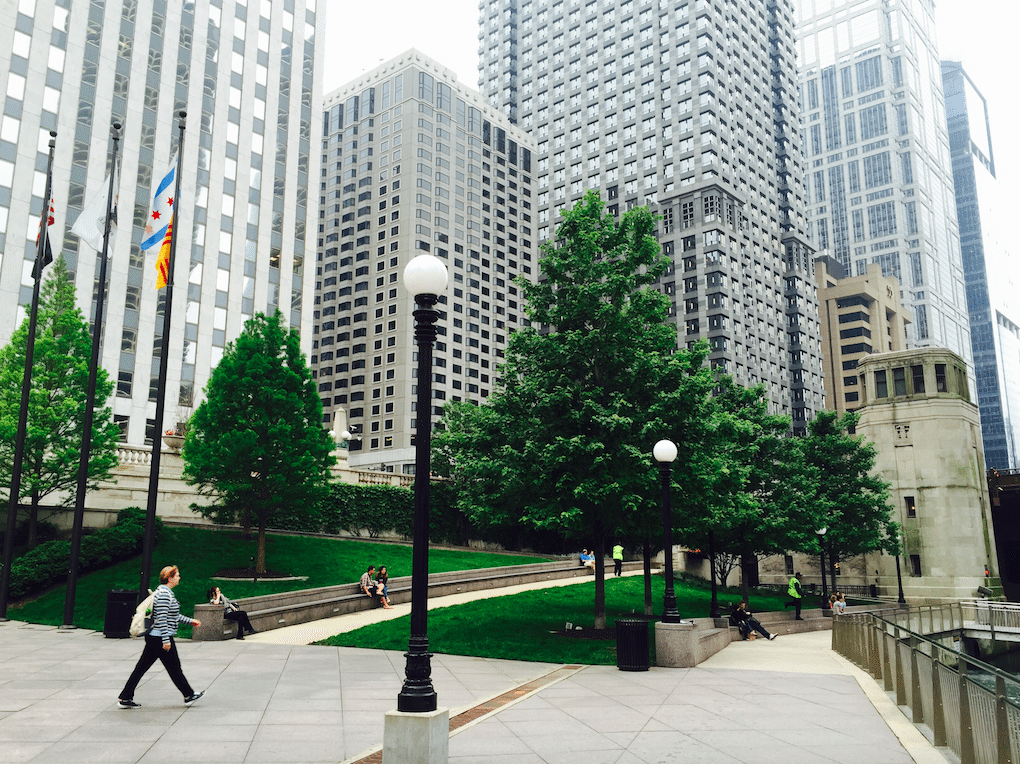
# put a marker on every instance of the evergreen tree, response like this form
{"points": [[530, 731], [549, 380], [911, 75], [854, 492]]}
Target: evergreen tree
{"points": [[60, 372], [256, 443]]}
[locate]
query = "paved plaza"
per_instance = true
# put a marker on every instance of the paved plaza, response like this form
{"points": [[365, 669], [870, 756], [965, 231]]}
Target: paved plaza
{"points": [[790, 701]]}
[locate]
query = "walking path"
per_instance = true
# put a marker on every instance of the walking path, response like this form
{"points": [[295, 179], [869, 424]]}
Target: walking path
{"points": [[791, 701]]}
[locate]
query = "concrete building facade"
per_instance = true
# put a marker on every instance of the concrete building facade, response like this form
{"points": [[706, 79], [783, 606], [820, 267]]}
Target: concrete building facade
{"points": [[859, 315], [690, 107], [917, 410], [878, 185], [247, 74], [989, 269], [414, 162]]}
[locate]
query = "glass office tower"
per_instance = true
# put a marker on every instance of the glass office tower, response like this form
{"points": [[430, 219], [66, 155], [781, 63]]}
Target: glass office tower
{"points": [[990, 271]]}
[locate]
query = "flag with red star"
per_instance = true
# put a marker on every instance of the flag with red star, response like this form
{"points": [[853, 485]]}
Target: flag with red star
{"points": [[46, 256], [159, 224]]}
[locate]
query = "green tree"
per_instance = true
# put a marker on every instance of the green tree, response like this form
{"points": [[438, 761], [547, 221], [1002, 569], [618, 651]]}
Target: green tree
{"points": [[60, 372], [256, 443], [760, 503], [565, 440], [848, 499]]}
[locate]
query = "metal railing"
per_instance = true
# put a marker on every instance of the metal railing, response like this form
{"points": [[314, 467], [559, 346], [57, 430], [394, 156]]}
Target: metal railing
{"points": [[969, 705]]}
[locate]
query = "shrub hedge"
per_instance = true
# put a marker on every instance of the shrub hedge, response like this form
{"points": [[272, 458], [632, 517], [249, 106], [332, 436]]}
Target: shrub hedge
{"points": [[47, 564]]}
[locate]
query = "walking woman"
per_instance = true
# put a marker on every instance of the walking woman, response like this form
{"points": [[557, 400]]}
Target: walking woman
{"points": [[159, 642]]}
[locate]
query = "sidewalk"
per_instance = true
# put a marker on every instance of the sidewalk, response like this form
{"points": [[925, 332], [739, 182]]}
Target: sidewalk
{"points": [[789, 701]]}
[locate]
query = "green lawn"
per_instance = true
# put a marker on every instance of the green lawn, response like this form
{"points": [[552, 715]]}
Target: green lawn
{"points": [[200, 553], [522, 626]]}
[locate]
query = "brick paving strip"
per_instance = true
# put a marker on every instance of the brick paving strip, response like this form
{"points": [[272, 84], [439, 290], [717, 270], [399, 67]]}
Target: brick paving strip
{"points": [[491, 706]]}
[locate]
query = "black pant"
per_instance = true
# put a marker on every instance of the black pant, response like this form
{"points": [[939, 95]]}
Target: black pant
{"points": [[171, 662], [795, 601], [617, 566], [753, 623], [241, 619]]}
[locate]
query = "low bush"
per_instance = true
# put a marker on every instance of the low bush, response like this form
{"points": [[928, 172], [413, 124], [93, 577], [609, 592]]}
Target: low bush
{"points": [[47, 564]]}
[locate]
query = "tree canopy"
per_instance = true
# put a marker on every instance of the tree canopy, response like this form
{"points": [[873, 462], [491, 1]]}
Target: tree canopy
{"points": [[60, 372], [847, 499], [565, 440], [256, 442]]}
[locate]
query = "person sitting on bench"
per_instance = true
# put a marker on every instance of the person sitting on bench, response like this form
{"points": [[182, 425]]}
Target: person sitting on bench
{"points": [[368, 584], [745, 622]]}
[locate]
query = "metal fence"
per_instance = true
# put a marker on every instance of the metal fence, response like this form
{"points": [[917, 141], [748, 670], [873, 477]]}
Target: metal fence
{"points": [[969, 706]]}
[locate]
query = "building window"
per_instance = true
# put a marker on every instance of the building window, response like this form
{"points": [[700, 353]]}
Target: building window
{"points": [[881, 387], [788, 562], [908, 502], [899, 376], [917, 377], [940, 378]]}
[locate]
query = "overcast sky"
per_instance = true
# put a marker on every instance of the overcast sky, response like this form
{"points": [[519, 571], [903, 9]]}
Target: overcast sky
{"points": [[980, 33]]}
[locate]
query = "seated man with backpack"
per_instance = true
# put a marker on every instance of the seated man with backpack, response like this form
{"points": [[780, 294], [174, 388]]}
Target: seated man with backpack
{"points": [[745, 622]]}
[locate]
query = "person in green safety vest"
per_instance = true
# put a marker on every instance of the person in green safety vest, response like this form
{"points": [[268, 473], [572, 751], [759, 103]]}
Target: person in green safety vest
{"points": [[796, 594], [618, 560]]}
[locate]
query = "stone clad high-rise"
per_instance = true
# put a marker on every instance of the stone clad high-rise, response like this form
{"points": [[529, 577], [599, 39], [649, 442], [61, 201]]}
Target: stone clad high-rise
{"points": [[246, 72], [879, 186], [691, 107], [414, 162]]}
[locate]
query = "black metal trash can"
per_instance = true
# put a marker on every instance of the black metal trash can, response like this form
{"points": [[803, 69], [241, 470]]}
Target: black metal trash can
{"points": [[120, 607], [631, 644]]}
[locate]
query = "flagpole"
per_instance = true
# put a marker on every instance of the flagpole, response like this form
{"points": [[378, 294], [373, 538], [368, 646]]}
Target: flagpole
{"points": [[90, 398], [164, 357], [26, 388]]}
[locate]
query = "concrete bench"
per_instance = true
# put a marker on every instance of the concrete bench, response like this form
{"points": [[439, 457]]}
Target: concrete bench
{"points": [[783, 622], [273, 611]]}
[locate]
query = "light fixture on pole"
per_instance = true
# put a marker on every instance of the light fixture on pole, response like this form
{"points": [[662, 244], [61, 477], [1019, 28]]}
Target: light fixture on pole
{"points": [[821, 551], [665, 454], [425, 277]]}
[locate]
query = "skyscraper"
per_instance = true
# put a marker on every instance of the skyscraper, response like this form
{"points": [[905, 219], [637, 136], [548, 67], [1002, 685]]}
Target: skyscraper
{"points": [[246, 75], [414, 162], [990, 272], [879, 183], [690, 107]]}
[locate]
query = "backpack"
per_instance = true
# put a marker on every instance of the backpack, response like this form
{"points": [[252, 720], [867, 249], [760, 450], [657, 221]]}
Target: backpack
{"points": [[141, 621]]}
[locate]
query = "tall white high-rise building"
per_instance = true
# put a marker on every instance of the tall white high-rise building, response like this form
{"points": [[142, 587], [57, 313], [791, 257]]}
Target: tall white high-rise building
{"points": [[690, 106], [414, 162], [247, 74], [879, 183]]}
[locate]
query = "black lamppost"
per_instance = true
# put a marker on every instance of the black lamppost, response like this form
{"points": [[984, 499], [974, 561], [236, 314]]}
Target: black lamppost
{"points": [[425, 277], [821, 551], [665, 454], [899, 581]]}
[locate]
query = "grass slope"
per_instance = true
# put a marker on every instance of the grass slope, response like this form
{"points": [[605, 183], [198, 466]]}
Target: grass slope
{"points": [[523, 626], [200, 553]]}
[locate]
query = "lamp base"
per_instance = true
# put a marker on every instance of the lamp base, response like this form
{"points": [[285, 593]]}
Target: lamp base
{"points": [[422, 738]]}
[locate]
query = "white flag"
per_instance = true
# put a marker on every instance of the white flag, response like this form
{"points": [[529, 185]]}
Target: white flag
{"points": [[89, 226]]}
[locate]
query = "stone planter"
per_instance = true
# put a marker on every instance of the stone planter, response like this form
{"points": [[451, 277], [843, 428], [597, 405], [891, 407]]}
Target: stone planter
{"points": [[173, 442]]}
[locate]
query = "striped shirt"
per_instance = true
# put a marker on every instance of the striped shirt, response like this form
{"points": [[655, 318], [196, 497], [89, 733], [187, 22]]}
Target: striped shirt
{"points": [[166, 614]]}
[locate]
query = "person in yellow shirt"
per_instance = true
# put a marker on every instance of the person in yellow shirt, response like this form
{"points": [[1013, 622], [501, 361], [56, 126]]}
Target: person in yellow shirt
{"points": [[796, 594]]}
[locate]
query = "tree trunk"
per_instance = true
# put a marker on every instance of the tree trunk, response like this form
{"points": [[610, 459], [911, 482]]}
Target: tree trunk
{"points": [[648, 577], [600, 580], [33, 521], [260, 555]]}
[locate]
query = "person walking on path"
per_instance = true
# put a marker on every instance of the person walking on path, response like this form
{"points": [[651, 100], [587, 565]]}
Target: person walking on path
{"points": [[618, 560], [796, 594], [745, 622], [159, 642], [232, 612]]}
